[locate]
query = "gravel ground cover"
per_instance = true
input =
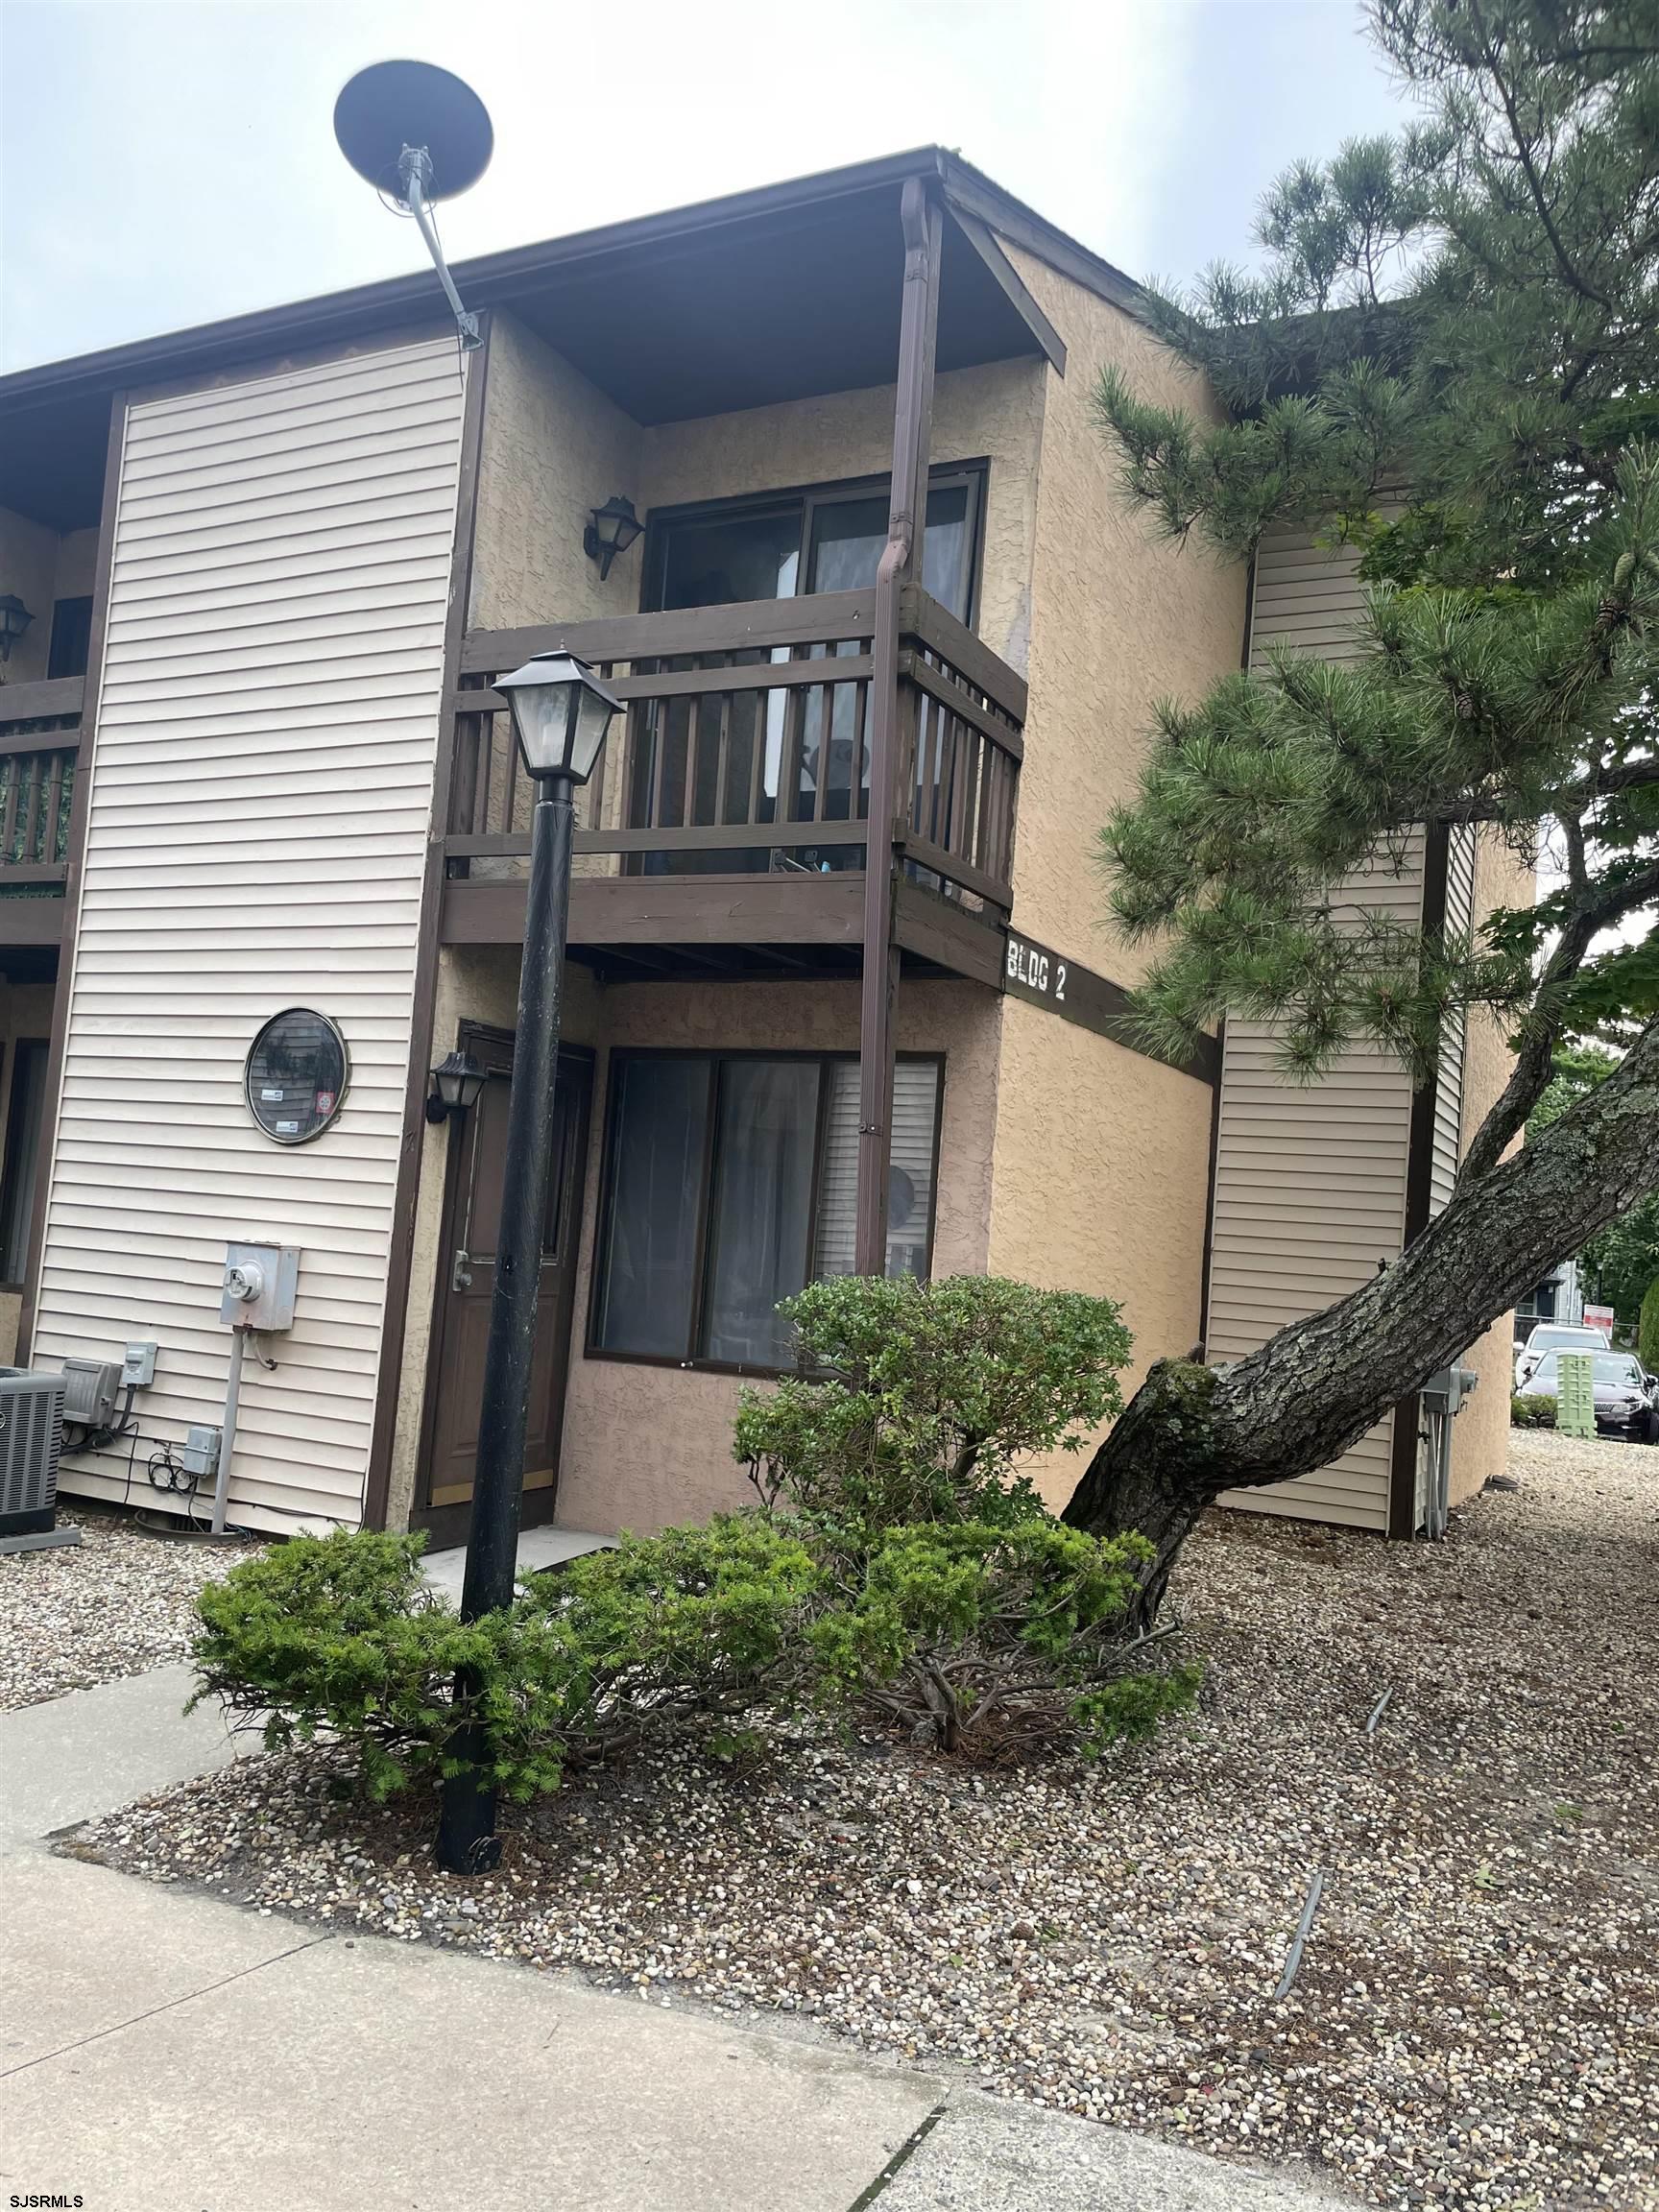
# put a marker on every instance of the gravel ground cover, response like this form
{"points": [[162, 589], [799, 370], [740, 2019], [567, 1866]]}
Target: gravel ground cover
{"points": [[119, 1601], [1475, 2021]]}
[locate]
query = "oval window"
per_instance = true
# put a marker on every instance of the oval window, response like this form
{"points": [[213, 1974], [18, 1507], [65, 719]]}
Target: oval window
{"points": [[296, 1075]]}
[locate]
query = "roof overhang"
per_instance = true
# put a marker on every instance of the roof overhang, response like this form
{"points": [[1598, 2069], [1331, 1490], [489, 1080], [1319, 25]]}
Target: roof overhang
{"points": [[780, 294]]}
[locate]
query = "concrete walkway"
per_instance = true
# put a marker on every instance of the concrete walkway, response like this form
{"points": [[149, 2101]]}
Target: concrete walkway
{"points": [[162, 2051], [538, 1548]]}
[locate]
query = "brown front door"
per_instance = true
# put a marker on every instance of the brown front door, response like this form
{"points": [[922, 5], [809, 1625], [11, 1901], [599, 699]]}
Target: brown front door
{"points": [[473, 1213]]}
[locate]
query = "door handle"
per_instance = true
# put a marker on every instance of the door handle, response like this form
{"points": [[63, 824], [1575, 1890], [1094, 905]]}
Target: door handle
{"points": [[461, 1273]]}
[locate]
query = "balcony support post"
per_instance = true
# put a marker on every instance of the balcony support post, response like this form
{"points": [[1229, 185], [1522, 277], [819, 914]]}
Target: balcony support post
{"points": [[900, 561]]}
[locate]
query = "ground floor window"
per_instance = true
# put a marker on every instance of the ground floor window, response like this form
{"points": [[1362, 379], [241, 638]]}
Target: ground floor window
{"points": [[731, 1181], [22, 1151]]}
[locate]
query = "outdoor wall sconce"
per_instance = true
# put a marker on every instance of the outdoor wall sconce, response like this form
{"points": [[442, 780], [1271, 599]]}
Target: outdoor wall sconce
{"points": [[456, 1082], [16, 618], [610, 530]]}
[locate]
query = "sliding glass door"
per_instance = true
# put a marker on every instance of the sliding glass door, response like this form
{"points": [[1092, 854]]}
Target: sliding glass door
{"points": [[822, 541]]}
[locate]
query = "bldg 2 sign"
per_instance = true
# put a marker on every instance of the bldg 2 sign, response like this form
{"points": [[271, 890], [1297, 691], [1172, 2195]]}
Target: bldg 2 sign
{"points": [[1033, 972], [1044, 978]]}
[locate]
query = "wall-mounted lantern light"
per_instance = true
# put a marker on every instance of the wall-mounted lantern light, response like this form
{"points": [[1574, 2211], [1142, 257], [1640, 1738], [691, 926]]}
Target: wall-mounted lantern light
{"points": [[610, 530], [456, 1082], [560, 713], [14, 619]]}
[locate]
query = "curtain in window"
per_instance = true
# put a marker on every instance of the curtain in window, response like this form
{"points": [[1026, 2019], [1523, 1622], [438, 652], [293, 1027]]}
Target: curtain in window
{"points": [[660, 1132], [762, 1220]]}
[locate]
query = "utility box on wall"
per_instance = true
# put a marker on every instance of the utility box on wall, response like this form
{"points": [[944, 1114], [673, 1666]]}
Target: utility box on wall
{"points": [[258, 1286]]}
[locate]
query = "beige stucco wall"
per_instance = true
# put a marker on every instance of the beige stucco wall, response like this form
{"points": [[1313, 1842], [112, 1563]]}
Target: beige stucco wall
{"points": [[1481, 1433], [1119, 620], [554, 447], [993, 412], [1101, 1185]]}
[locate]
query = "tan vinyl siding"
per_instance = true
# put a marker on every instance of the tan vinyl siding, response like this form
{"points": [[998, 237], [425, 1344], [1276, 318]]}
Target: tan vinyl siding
{"points": [[1306, 597], [260, 804], [1447, 1142], [1309, 1197], [1310, 1191]]}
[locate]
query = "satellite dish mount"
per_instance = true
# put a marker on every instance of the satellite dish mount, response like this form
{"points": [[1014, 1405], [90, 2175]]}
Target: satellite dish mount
{"points": [[414, 175], [419, 135]]}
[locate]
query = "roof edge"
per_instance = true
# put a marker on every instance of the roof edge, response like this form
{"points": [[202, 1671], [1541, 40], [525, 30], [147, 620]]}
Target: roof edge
{"points": [[494, 279]]}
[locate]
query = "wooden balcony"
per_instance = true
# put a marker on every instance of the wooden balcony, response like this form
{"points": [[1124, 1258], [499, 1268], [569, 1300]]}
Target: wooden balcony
{"points": [[39, 749], [734, 804]]}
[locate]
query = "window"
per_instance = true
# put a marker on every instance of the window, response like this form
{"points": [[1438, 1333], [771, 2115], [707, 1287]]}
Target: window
{"points": [[733, 1182], [71, 638], [22, 1153], [828, 540]]}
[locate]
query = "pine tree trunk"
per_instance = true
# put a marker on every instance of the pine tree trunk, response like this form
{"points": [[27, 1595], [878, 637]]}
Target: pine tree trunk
{"points": [[1315, 1389]]}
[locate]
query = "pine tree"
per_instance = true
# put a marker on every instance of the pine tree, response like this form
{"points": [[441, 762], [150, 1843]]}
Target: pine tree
{"points": [[1450, 358], [1647, 1331]]}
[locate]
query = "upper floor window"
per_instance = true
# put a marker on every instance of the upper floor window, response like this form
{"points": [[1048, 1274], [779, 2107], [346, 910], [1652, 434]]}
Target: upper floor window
{"points": [[827, 539], [732, 1182]]}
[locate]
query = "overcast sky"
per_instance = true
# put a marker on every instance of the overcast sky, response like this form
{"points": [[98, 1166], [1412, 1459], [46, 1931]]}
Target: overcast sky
{"points": [[166, 162]]}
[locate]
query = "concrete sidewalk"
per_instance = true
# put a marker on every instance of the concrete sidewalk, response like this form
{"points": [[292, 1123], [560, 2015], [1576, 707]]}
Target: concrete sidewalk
{"points": [[163, 2049]]}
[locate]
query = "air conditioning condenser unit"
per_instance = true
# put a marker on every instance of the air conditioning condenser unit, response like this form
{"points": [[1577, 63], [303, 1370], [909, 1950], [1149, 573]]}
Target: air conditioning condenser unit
{"points": [[31, 1440]]}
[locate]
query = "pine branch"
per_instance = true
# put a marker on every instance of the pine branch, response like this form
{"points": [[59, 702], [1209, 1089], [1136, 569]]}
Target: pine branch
{"points": [[1597, 907]]}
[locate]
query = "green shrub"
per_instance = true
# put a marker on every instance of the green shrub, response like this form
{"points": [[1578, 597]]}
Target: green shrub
{"points": [[1647, 1328], [1530, 1410], [900, 1567], [338, 1636], [917, 1399], [696, 1626], [988, 1639], [996, 1640]]}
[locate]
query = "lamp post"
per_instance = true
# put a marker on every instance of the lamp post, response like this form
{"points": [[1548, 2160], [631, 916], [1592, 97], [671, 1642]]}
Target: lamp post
{"points": [[560, 717]]}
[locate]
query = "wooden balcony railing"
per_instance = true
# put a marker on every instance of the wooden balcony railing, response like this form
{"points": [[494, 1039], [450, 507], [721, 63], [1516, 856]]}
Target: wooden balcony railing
{"points": [[746, 746], [40, 746]]}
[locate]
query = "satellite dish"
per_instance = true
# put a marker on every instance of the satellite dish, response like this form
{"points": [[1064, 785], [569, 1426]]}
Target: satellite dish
{"points": [[419, 135], [394, 107]]}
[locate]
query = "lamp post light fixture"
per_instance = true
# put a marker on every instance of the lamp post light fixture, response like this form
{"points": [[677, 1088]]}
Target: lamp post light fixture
{"points": [[456, 1082], [560, 717], [14, 619], [610, 530]]}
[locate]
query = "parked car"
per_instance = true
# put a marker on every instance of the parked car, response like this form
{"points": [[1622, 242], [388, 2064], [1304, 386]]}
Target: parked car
{"points": [[1554, 1337], [1626, 1395]]}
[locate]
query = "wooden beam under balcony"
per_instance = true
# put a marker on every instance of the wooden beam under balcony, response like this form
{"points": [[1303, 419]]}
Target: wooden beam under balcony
{"points": [[668, 910]]}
